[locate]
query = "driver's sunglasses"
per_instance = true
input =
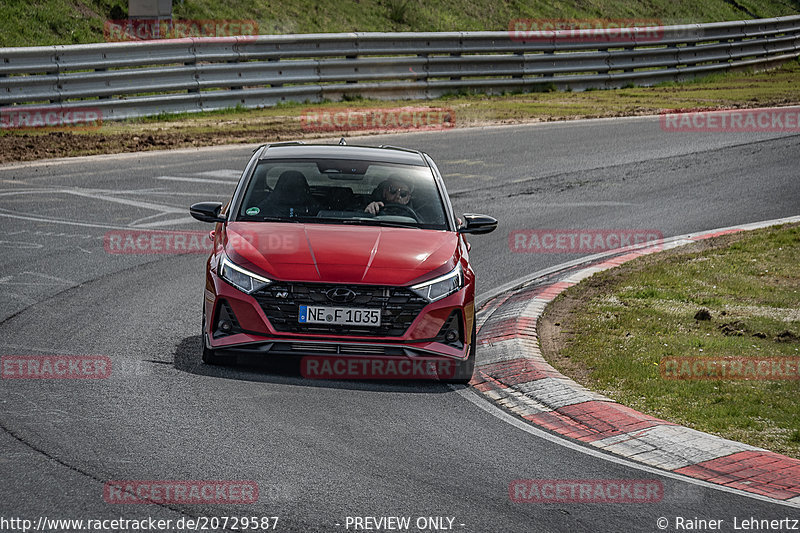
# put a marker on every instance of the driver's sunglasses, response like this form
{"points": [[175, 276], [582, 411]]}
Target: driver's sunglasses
{"points": [[395, 190]]}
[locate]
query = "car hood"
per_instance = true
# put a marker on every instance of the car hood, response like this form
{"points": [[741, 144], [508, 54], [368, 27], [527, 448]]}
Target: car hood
{"points": [[341, 254]]}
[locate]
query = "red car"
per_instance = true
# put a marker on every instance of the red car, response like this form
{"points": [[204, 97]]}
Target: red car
{"points": [[344, 251]]}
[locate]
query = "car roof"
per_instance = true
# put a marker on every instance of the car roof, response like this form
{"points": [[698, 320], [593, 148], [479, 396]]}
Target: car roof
{"points": [[388, 154]]}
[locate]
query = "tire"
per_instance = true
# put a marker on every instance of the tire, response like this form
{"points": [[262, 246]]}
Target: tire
{"points": [[465, 368], [209, 356]]}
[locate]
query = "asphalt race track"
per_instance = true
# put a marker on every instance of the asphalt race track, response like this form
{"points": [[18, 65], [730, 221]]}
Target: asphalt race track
{"points": [[320, 451]]}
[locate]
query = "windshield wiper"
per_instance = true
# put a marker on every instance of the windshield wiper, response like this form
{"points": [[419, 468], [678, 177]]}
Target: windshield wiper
{"points": [[377, 222], [277, 219], [351, 221]]}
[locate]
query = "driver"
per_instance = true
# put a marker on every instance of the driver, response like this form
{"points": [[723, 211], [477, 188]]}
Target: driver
{"points": [[394, 190]]}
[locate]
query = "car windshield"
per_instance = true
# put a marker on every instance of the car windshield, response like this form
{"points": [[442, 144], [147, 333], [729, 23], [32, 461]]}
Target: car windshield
{"points": [[338, 191]]}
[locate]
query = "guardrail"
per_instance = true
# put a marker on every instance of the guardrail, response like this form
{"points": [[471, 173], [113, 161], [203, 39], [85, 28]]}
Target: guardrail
{"points": [[134, 79]]}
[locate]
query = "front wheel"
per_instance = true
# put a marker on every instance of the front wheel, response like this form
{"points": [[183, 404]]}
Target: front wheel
{"points": [[465, 368], [209, 355]]}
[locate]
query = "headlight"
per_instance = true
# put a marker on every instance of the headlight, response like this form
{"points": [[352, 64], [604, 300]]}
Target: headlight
{"points": [[438, 288], [242, 279]]}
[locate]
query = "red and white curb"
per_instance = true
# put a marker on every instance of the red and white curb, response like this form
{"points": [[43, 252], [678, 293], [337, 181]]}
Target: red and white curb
{"points": [[512, 372]]}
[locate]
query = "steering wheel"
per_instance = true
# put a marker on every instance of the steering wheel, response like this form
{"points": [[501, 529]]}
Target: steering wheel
{"points": [[403, 210]]}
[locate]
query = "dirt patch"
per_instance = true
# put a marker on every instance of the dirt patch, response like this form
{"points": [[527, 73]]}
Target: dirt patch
{"points": [[18, 147], [553, 328], [29, 147], [737, 328], [786, 336]]}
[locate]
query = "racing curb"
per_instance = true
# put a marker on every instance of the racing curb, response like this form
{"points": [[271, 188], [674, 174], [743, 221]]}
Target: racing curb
{"points": [[512, 372]]}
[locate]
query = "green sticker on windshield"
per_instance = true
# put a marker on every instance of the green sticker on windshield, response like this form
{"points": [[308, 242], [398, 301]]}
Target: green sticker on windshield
{"points": [[252, 211]]}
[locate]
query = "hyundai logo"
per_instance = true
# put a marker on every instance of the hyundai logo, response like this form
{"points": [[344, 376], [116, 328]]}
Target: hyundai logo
{"points": [[341, 295]]}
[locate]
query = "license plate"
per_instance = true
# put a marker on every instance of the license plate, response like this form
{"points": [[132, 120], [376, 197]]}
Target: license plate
{"points": [[344, 316]]}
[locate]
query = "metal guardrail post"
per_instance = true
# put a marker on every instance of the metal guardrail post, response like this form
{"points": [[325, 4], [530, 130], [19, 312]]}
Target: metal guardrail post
{"points": [[275, 60]]}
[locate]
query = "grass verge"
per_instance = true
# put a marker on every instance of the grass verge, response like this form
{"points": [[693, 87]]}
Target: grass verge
{"points": [[778, 87], [611, 332]]}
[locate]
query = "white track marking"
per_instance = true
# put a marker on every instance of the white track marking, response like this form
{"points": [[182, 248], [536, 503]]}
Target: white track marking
{"points": [[164, 192], [65, 222], [492, 409], [133, 203], [96, 194], [667, 242], [170, 222], [194, 180], [228, 173], [473, 397], [136, 223], [21, 245], [103, 195]]}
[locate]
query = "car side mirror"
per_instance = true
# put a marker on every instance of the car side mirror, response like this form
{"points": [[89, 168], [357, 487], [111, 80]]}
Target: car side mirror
{"points": [[207, 212], [478, 224]]}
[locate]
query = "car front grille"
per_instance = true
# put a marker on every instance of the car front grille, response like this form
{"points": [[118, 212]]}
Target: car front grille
{"points": [[281, 303], [340, 349]]}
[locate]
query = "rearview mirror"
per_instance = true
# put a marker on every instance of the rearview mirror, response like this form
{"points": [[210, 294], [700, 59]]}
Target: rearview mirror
{"points": [[478, 224], [207, 212]]}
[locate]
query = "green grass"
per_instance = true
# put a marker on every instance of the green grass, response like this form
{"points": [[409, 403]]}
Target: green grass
{"points": [[630, 318], [45, 22]]}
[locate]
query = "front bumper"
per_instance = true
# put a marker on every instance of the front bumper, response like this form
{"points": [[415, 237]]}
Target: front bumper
{"points": [[252, 332]]}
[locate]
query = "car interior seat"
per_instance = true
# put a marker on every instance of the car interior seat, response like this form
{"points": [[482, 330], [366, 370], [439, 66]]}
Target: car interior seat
{"points": [[290, 197]]}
